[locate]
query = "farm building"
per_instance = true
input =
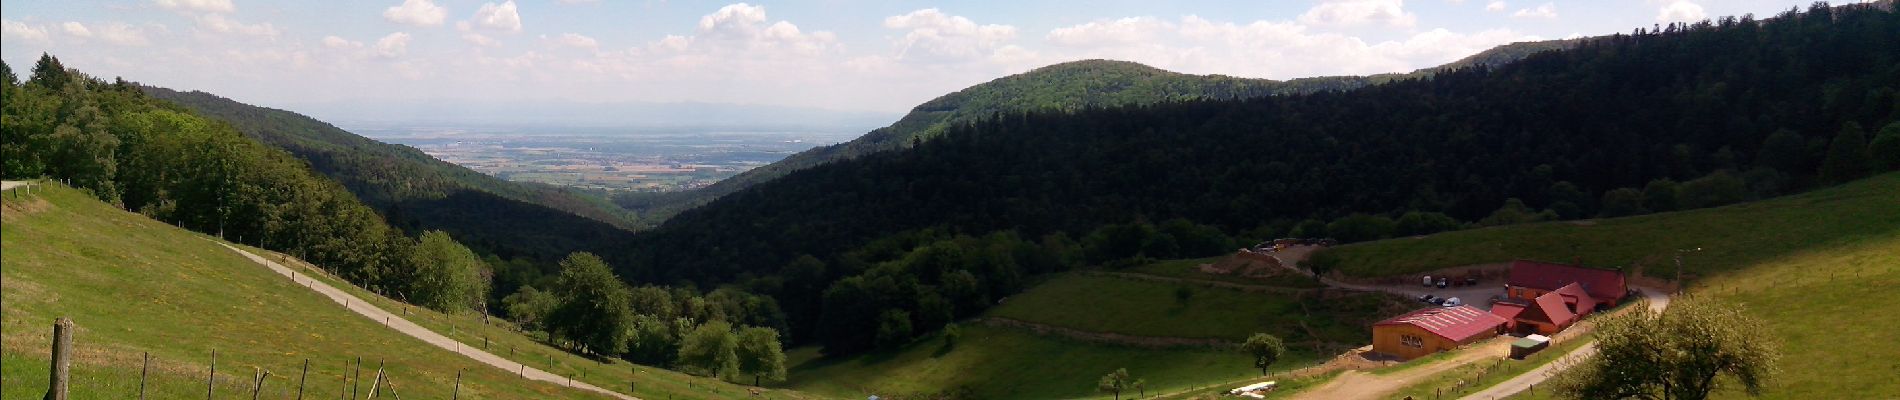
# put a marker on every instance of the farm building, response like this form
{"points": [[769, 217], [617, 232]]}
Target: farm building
{"points": [[1548, 313], [1432, 330], [1531, 279]]}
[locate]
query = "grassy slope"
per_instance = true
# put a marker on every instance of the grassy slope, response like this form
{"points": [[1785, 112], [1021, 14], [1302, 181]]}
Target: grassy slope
{"points": [[1000, 363], [502, 339], [1732, 236], [1141, 308], [1010, 363], [135, 285], [1818, 267]]}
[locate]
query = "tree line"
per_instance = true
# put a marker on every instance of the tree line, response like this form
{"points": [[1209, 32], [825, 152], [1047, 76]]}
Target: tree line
{"points": [[1675, 117]]}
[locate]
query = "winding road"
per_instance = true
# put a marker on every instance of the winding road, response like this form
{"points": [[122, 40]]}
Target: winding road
{"points": [[417, 331], [1657, 302]]}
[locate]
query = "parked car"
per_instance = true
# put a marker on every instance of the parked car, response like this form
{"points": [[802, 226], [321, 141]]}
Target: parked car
{"points": [[1426, 298], [1471, 281], [1453, 302], [1442, 283], [1428, 281], [1438, 301]]}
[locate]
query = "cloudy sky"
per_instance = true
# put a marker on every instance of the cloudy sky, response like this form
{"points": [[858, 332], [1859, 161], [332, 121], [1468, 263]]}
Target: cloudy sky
{"points": [[838, 54]]}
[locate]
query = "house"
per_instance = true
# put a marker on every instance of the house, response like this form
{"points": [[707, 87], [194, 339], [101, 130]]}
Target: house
{"points": [[1432, 330], [1548, 313], [1532, 279]]}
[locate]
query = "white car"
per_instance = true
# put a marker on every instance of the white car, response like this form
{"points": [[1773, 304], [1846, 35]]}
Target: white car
{"points": [[1453, 302]]}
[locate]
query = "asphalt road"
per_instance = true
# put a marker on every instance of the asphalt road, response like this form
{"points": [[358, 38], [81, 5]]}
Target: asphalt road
{"points": [[409, 328], [1657, 302]]}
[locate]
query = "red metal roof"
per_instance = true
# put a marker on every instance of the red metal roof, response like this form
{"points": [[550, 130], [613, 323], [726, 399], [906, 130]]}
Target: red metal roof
{"points": [[1452, 323], [1602, 284], [1552, 309], [1507, 311], [1574, 294]]}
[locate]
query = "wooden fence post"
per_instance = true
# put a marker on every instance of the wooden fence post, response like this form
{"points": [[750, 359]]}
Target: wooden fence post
{"points": [[62, 358], [358, 378], [257, 383], [457, 395], [301, 377], [210, 386], [142, 372]]}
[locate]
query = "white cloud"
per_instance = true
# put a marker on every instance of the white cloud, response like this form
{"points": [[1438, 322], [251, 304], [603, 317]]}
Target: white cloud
{"points": [[341, 43], [209, 6], [392, 46], [1267, 49], [220, 24], [1546, 11], [1359, 12], [938, 36], [21, 31], [575, 40], [1680, 11], [113, 33], [1495, 6], [742, 26], [76, 29], [122, 34], [479, 39], [502, 17], [416, 13]]}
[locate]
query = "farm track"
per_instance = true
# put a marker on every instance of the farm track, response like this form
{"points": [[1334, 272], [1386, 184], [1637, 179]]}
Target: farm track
{"points": [[406, 327]]}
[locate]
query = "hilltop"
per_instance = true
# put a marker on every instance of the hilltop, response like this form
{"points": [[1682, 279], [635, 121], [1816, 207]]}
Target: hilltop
{"points": [[1062, 87]]}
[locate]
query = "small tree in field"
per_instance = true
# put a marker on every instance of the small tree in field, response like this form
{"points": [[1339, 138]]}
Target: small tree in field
{"points": [[1116, 382], [1676, 355], [1265, 349]]}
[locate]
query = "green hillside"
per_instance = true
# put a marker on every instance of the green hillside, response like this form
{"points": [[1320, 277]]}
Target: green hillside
{"points": [[1012, 362], [1060, 87], [1730, 237], [133, 285], [417, 192]]}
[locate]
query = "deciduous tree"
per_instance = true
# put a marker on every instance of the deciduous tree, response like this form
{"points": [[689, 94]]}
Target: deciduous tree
{"points": [[1693, 349], [1265, 349]]}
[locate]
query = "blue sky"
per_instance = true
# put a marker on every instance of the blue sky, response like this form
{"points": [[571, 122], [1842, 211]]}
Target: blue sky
{"points": [[836, 54]]}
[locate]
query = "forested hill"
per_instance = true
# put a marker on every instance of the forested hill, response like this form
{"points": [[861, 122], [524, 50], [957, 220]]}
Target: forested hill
{"points": [[418, 192], [1733, 110], [1067, 86]]}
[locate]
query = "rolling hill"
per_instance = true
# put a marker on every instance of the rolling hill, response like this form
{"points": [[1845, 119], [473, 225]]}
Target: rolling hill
{"points": [[1066, 86], [1558, 133], [135, 286], [417, 192]]}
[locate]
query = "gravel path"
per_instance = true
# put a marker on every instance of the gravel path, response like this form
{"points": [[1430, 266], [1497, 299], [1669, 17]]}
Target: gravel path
{"points": [[1657, 302], [409, 328], [6, 185]]}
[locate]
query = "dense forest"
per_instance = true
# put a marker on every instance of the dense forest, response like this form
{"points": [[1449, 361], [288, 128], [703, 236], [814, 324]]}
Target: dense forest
{"points": [[1061, 87], [1666, 118]]}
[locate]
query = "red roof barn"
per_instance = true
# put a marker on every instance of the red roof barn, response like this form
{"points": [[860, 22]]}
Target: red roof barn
{"points": [[1432, 330], [1531, 279]]}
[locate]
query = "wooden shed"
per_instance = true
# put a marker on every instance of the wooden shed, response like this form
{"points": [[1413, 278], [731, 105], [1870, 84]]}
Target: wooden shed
{"points": [[1431, 330]]}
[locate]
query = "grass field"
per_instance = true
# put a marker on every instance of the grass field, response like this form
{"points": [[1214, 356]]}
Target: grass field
{"points": [[1190, 269], [999, 363], [1731, 237], [994, 362], [133, 285], [1145, 308]]}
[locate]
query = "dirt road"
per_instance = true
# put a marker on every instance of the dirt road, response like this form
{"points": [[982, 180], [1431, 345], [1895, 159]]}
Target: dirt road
{"points": [[408, 328], [9, 185], [1366, 385], [1657, 302]]}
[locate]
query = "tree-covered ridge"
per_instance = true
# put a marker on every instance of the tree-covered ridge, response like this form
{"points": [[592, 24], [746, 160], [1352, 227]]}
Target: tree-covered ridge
{"points": [[1061, 87], [417, 192], [160, 160], [1733, 109]]}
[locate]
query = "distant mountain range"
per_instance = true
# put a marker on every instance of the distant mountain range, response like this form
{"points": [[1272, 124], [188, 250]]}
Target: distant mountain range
{"points": [[415, 191], [593, 114]]}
